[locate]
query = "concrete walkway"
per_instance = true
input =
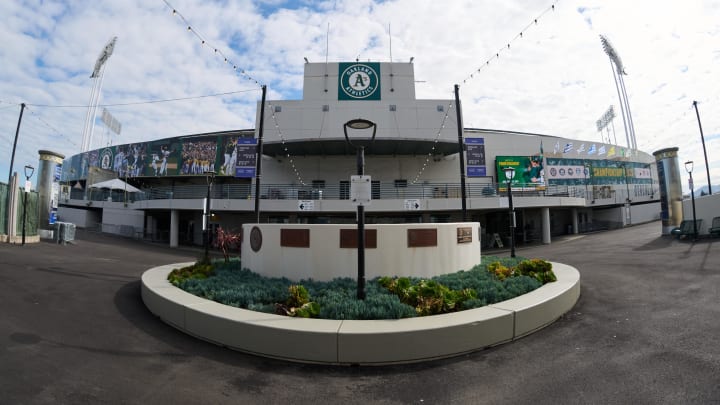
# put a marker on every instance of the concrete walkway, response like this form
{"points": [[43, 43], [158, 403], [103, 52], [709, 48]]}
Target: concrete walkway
{"points": [[646, 330]]}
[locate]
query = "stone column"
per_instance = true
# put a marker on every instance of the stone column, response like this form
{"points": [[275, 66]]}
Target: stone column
{"points": [[48, 186]]}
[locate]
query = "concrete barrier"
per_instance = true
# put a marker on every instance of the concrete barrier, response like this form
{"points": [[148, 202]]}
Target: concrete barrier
{"points": [[359, 342]]}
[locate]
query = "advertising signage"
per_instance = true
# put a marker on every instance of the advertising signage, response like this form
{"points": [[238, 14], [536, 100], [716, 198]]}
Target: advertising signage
{"points": [[529, 172]]}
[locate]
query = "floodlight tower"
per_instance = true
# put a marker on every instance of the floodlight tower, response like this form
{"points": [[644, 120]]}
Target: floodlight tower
{"points": [[97, 76], [618, 73]]}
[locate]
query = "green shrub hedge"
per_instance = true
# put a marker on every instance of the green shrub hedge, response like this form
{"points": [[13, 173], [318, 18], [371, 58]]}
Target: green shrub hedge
{"points": [[386, 298]]}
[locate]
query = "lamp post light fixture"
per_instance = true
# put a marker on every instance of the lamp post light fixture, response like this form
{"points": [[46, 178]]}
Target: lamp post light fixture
{"points": [[509, 174], [689, 168], [29, 170], [210, 178], [359, 145]]}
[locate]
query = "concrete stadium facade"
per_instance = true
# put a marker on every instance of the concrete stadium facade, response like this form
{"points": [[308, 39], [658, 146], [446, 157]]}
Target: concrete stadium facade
{"points": [[562, 185]]}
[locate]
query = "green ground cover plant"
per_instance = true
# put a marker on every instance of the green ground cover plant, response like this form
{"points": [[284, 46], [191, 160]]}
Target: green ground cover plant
{"points": [[495, 279]]}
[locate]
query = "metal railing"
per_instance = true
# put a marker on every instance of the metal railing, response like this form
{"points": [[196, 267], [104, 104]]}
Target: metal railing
{"points": [[379, 191]]}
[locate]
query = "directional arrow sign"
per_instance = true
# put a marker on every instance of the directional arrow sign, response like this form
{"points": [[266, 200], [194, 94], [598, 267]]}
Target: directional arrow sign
{"points": [[412, 205], [306, 205]]}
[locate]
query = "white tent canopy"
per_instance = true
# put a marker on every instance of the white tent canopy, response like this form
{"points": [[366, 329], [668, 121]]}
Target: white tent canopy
{"points": [[116, 184]]}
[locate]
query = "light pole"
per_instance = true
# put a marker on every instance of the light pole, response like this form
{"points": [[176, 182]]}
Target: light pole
{"points": [[628, 201], [29, 170], [509, 174], [360, 124], [702, 138], [210, 178], [689, 168], [588, 177]]}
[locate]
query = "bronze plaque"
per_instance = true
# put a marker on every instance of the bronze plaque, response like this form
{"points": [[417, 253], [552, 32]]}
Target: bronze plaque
{"points": [[421, 237], [464, 235], [348, 239], [255, 239], [299, 238]]}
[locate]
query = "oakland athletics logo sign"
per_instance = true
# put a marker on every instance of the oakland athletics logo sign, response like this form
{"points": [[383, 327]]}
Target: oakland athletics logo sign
{"points": [[359, 81]]}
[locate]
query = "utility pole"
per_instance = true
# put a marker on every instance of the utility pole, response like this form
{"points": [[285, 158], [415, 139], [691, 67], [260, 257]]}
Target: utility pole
{"points": [[702, 138], [12, 162]]}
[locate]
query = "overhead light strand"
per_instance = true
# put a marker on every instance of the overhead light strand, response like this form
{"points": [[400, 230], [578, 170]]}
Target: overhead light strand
{"points": [[506, 47], [203, 42]]}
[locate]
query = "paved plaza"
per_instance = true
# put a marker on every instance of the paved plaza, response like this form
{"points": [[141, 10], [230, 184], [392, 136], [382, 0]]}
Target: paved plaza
{"points": [[646, 330]]}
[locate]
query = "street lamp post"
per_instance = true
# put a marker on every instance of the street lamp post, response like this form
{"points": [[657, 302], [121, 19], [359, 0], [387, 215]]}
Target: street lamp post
{"points": [[210, 178], [29, 170], [360, 124], [628, 201], [689, 168], [509, 174]]}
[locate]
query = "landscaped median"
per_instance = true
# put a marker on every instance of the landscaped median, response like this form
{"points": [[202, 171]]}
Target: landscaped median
{"points": [[359, 341]]}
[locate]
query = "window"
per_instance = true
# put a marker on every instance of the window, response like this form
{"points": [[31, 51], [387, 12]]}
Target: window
{"points": [[318, 183], [400, 183]]}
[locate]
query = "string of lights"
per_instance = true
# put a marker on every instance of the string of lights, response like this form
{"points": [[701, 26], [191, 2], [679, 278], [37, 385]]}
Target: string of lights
{"points": [[168, 100], [285, 149], [507, 47], [204, 43], [435, 142]]}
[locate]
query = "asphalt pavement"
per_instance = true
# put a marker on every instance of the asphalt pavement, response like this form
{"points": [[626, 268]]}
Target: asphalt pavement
{"points": [[646, 330]]}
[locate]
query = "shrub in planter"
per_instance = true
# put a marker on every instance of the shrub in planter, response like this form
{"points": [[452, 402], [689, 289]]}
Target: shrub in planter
{"points": [[429, 297], [195, 271], [537, 268], [500, 271]]}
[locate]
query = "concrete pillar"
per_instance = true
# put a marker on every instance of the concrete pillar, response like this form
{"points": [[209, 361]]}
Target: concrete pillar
{"points": [[174, 227], [575, 221], [12, 210], [668, 170], [48, 186], [545, 214]]}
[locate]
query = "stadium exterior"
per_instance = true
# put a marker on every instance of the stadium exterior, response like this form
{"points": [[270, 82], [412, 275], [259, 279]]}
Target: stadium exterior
{"points": [[561, 185]]}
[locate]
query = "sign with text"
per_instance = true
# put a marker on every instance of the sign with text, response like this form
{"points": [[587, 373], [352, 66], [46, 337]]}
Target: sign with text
{"points": [[246, 152], [412, 205], [475, 152], [306, 205]]}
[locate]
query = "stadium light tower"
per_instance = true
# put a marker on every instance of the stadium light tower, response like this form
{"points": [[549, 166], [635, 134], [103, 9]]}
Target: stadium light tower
{"points": [[618, 73], [97, 76]]}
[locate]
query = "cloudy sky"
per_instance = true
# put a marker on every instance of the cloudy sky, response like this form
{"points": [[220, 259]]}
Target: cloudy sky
{"points": [[555, 79]]}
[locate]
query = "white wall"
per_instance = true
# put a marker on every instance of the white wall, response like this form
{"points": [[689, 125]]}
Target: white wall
{"points": [[122, 221], [81, 218], [325, 260], [706, 208]]}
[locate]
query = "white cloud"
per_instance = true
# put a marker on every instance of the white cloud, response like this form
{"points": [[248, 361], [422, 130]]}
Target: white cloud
{"points": [[554, 80]]}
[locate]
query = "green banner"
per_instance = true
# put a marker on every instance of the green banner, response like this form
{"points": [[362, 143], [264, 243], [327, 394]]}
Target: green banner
{"points": [[528, 172]]}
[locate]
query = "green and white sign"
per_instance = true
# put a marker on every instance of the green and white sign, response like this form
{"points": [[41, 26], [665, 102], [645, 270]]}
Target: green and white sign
{"points": [[359, 81]]}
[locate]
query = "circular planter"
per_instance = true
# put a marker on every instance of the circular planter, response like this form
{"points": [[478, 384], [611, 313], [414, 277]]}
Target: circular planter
{"points": [[359, 342]]}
